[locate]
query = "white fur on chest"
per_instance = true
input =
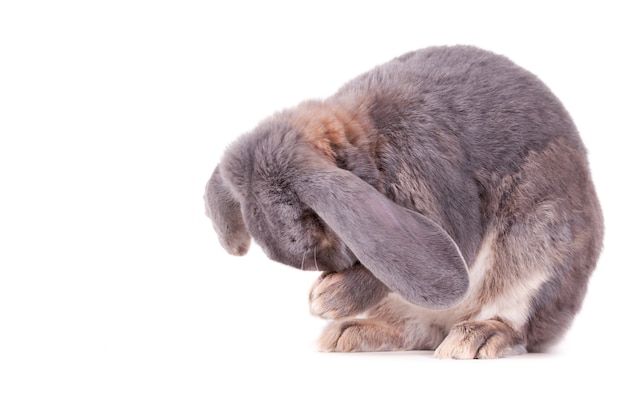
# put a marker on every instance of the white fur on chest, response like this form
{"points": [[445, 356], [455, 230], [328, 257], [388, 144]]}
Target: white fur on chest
{"points": [[511, 303]]}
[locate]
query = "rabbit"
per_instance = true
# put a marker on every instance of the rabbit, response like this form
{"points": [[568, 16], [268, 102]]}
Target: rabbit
{"points": [[445, 196]]}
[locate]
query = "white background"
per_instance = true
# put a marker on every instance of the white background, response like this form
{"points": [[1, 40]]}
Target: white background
{"points": [[115, 297]]}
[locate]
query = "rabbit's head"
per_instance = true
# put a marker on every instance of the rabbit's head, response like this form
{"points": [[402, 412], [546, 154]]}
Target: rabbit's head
{"points": [[276, 186], [252, 193]]}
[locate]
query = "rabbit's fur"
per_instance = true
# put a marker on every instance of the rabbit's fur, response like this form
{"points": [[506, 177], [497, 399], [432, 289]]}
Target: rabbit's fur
{"points": [[446, 195]]}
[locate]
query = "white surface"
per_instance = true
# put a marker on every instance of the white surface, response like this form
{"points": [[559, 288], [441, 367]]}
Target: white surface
{"points": [[115, 298]]}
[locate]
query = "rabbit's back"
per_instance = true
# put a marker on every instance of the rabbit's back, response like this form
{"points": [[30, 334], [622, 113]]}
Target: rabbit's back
{"points": [[497, 110], [459, 124]]}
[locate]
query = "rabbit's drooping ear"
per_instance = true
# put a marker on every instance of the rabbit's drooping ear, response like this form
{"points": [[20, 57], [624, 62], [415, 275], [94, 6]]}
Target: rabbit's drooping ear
{"points": [[408, 252], [225, 213]]}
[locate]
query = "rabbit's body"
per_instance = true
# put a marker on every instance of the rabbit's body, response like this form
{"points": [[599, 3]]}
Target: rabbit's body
{"points": [[449, 176]]}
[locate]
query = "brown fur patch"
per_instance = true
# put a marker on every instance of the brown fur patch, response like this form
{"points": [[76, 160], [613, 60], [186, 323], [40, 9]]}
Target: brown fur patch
{"points": [[329, 127]]}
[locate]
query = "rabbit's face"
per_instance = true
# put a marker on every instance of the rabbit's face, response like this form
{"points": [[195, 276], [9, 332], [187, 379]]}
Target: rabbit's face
{"points": [[260, 181], [291, 233]]}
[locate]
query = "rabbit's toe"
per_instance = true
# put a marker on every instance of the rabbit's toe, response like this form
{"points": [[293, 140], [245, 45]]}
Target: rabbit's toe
{"points": [[488, 339]]}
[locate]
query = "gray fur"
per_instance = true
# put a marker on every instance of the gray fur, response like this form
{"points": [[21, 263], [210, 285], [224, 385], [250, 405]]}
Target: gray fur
{"points": [[222, 206], [406, 170]]}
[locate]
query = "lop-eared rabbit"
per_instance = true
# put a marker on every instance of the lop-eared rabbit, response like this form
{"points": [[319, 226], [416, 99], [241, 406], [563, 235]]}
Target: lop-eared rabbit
{"points": [[445, 195]]}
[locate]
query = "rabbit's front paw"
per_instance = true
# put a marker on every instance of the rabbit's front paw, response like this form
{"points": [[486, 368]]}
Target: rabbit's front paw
{"points": [[331, 297], [487, 339]]}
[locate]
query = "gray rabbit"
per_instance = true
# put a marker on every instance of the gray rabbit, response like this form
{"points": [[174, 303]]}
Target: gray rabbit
{"points": [[446, 195]]}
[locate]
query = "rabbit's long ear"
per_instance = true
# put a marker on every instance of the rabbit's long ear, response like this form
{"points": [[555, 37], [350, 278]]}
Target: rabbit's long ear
{"points": [[225, 212], [408, 252]]}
